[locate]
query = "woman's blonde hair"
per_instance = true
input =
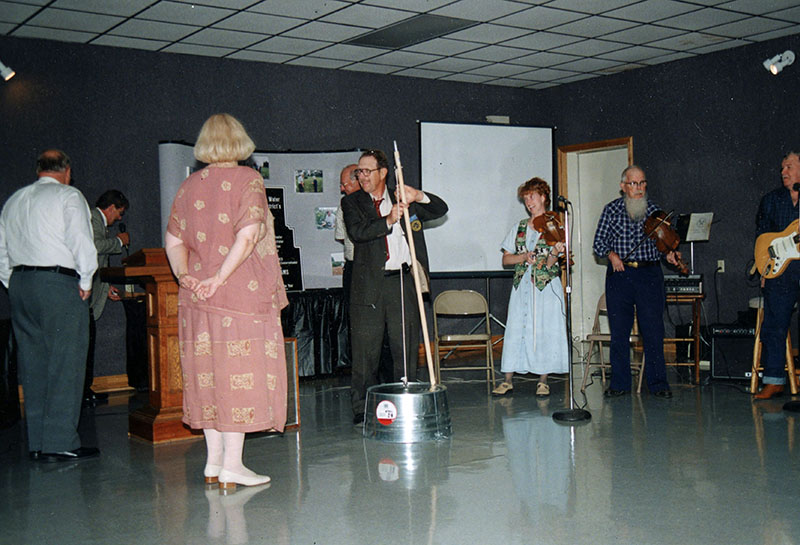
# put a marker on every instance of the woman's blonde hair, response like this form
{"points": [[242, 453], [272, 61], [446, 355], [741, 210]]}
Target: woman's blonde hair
{"points": [[535, 185], [223, 139]]}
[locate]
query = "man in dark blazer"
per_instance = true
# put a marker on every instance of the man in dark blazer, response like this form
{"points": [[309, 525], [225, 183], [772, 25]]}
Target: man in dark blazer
{"points": [[381, 265]]}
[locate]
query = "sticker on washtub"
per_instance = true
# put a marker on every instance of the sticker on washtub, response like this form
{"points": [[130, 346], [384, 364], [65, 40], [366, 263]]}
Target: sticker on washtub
{"points": [[386, 412]]}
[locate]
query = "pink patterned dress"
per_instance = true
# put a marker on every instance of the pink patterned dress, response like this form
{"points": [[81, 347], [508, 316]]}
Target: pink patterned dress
{"points": [[232, 352]]}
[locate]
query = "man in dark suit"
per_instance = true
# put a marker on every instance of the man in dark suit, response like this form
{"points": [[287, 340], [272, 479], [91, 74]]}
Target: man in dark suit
{"points": [[380, 268], [109, 209]]}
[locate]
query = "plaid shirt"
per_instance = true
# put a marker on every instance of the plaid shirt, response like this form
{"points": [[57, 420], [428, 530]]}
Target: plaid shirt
{"points": [[617, 232], [775, 212]]}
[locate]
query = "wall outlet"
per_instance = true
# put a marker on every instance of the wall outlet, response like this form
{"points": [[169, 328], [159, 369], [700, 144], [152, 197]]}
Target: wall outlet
{"points": [[721, 265]]}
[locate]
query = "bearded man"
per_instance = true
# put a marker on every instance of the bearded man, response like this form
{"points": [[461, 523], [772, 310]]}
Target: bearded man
{"points": [[634, 284]]}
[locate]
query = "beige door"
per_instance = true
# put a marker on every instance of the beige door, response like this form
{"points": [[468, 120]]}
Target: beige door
{"points": [[589, 175]]}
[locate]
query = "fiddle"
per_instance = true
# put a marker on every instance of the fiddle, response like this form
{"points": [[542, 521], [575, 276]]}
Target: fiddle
{"points": [[658, 228], [551, 229]]}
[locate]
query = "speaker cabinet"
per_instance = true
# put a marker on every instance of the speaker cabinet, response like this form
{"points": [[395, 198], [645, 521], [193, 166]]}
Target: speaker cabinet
{"points": [[732, 353]]}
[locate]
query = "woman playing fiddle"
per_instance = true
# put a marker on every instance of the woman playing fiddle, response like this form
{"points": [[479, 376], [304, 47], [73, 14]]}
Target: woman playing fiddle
{"points": [[536, 337]]}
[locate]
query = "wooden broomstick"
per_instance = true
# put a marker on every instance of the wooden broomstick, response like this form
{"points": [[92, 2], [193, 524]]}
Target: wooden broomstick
{"points": [[415, 268]]}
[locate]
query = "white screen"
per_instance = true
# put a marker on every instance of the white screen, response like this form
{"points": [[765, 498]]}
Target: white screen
{"points": [[477, 169]]}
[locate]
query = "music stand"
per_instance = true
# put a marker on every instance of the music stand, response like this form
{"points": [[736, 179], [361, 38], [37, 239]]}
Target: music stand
{"points": [[694, 227]]}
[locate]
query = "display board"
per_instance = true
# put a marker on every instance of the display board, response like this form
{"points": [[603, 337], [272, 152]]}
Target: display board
{"points": [[476, 169], [309, 184]]}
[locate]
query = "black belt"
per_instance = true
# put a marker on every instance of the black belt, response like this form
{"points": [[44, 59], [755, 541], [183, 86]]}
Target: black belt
{"points": [[640, 264], [396, 272], [56, 269]]}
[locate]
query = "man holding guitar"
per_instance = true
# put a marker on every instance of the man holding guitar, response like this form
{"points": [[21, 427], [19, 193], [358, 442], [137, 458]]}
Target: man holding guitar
{"points": [[777, 210]]}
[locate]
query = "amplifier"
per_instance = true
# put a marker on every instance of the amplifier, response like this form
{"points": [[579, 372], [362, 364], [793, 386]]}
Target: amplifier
{"points": [[676, 284], [732, 352]]}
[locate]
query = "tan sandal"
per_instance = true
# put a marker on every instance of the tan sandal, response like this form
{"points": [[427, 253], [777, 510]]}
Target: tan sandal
{"points": [[542, 390], [503, 389]]}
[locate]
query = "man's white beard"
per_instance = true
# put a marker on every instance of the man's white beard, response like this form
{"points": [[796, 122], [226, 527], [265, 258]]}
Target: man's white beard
{"points": [[637, 208]]}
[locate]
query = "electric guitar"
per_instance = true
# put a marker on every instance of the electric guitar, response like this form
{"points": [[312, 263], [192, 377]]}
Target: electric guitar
{"points": [[774, 251]]}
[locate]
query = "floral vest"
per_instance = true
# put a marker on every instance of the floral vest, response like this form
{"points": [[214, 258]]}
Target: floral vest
{"points": [[541, 275]]}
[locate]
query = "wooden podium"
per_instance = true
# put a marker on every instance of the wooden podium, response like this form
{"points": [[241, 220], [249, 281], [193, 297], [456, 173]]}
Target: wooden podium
{"points": [[160, 421]]}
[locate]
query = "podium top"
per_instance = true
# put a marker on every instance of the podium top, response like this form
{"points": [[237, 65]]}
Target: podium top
{"points": [[146, 256]]}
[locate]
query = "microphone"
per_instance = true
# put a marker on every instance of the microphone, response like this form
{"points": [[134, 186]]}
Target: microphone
{"points": [[122, 228], [564, 200]]}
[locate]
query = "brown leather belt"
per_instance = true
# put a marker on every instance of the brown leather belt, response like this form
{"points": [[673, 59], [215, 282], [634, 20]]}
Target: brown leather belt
{"points": [[640, 264]]}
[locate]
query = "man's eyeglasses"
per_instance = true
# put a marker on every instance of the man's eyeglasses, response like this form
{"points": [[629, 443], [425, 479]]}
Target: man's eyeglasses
{"points": [[364, 171], [636, 184]]}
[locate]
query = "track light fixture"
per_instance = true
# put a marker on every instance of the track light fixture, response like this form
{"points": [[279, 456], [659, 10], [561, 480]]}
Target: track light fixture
{"points": [[779, 62], [6, 72]]}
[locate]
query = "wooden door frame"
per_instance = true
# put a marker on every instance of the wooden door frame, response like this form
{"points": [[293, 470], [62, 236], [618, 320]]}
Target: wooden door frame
{"points": [[564, 151]]}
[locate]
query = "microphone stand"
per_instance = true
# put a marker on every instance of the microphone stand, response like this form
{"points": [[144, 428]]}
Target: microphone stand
{"points": [[572, 414]]}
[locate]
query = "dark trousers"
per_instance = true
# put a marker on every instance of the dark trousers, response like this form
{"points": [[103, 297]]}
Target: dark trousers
{"points": [[51, 325], [89, 375], [639, 292], [780, 296], [368, 323]]}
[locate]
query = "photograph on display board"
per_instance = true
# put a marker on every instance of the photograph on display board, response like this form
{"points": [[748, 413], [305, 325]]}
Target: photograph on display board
{"points": [[308, 181], [337, 264], [325, 217]]}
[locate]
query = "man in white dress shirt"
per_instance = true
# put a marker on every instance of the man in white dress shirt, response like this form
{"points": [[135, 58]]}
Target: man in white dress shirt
{"points": [[47, 259]]}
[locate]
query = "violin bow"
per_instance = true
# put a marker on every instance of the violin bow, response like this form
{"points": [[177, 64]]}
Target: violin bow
{"points": [[647, 235]]}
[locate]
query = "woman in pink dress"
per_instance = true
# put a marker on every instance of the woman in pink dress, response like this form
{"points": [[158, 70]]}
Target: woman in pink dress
{"points": [[220, 244]]}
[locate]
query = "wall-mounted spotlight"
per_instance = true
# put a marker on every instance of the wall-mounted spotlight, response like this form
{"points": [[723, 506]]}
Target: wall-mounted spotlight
{"points": [[779, 62], [6, 72]]}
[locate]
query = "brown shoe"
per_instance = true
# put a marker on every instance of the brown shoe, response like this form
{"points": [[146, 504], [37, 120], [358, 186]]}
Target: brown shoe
{"points": [[769, 391]]}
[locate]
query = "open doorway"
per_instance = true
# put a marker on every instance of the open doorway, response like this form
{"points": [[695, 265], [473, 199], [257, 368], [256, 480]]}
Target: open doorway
{"points": [[589, 175]]}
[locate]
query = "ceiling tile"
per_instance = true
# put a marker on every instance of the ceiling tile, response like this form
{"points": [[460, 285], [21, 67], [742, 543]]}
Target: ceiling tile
{"points": [[373, 68], [417, 6], [668, 58], [488, 34], [758, 7], [634, 54], [590, 6], [454, 64], [282, 44], [542, 41], [479, 10], [700, 19], [5, 28], [728, 44], [223, 38], [304, 9], [346, 52], [788, 31], [194, 49], [153, 29], [589, 48], [688, 41], [328, 32], [545, 74], [643, 34], [543, 59], [466, 78], [132, 43], [29, 31], [231, 4], [403, 58], [541, 85], [368, 16], [74, 20], [191, 14], [258, 23], [589, 65], [508, 82], [443, 46], [34, 2], [539, 18], [421, 73], [11, 12], [495, 53], [790, 15], [592, 27], [652, 10], [499, 70], [748, 27], [125, 9], [318, 63], [260, 56]]}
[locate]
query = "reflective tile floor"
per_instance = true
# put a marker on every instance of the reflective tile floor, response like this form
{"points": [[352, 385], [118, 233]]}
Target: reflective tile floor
{"points": [[709, 466]]}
